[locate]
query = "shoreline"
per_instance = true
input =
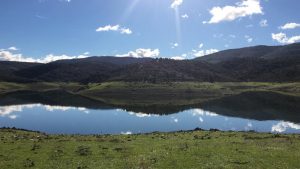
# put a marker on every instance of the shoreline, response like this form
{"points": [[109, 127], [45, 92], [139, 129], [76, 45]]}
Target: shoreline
{"points": [[147, 133]]}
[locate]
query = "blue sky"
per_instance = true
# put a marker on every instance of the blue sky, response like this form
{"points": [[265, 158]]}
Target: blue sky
{"points": [[47, 30]]}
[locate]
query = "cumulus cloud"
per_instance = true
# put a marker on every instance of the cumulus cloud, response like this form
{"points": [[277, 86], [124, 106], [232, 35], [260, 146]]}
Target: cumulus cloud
{"points": [[9, 111], [290, 26], [282, 38], [176, 3], [283, 126], [263, 23], [7, 55], [141, 53], [115, 28], [200, 53], [230, 13]]}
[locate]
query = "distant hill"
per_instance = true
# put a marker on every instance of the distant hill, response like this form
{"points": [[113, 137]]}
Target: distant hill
{"points": [[255, 52], [8, 70], [93, 69], [258, 63]]}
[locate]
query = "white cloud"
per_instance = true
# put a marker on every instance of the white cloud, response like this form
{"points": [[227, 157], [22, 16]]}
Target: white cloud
{"points": [[13, 117], [51, 58], [201, 45], [211, 51], [174, 45], [290, 26], [13, 48], [11, 111], [248, 126], [201, 112], [283, 126], [126, 31], [115, 28], [230, 13], [263, 23], [200, 53], [175, 120], [248, 38], [126, 133], [108, 28], [140, 114], [176, 3], [184, 55], [7, 55], [141, 53], [178, 58], [7, 111], [282, 38], [185, 16]]}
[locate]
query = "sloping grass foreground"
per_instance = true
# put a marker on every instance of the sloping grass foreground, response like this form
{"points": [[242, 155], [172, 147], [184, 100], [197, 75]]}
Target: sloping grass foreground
{"points": [[194, 149]]}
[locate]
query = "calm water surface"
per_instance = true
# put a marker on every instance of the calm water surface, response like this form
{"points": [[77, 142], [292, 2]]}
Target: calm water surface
{"points": [[221, 115]]}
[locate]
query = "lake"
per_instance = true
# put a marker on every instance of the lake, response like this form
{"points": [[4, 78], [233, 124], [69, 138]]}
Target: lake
{"points": [[57, 113]]}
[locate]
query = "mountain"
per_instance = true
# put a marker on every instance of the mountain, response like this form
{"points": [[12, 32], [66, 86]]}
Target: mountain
{"points": [[93, 69], [258, 63], [165, 70], [255, 52], [8, 69]]}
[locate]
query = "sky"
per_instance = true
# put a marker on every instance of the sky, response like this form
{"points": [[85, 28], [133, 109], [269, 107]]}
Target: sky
{"points": [[49, 30]]}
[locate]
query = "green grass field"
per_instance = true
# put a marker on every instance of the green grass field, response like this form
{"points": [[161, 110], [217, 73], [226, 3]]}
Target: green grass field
{"points": [[217, 89], [196, 149]]}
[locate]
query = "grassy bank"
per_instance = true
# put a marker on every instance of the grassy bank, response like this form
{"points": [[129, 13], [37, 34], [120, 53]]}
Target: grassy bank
{"points": [[196, 149], [204, 89]]}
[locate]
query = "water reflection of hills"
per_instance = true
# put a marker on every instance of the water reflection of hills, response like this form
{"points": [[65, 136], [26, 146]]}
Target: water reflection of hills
{"points": [[250, 105], [258, 106]]}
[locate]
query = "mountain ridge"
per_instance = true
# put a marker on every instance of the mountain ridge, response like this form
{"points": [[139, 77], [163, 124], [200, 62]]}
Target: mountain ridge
{"points": [[257, 63]]}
